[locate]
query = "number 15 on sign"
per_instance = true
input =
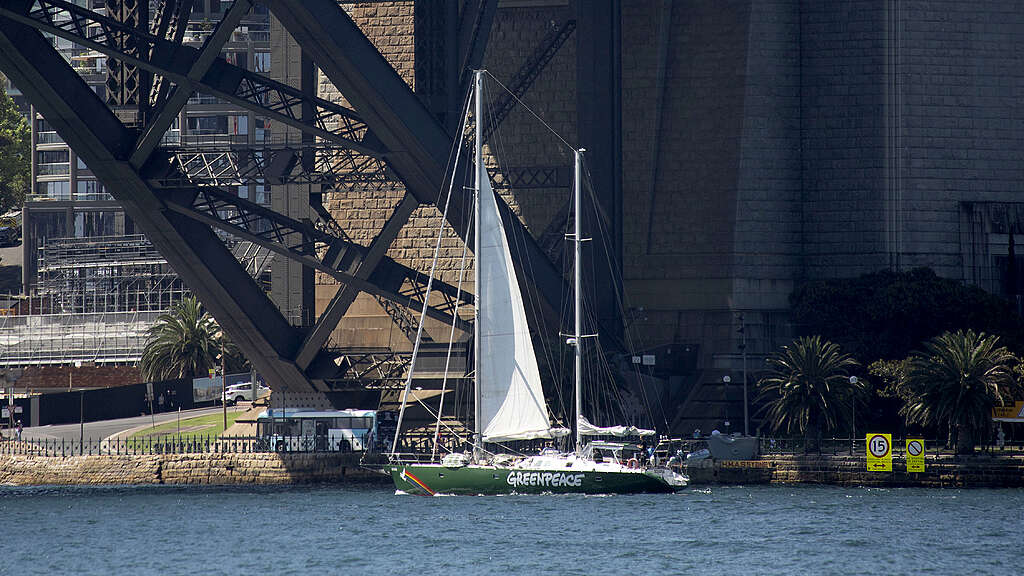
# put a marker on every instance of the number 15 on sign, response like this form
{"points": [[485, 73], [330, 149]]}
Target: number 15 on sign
{"points": [[879, 452]]}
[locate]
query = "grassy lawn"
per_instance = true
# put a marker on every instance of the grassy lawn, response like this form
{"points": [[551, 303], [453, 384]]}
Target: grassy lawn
{"points": [[209, 426]]}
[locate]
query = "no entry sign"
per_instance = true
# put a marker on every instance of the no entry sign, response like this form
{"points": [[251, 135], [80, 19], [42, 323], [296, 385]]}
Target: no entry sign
{"points": [[915, 455]]}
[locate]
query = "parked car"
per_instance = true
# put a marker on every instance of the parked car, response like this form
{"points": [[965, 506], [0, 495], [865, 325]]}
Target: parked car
{"points": [[243, 391]]}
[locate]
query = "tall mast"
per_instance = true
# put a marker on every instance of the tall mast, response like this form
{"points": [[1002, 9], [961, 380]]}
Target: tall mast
{"points": [[478, 161], [578, 336]]}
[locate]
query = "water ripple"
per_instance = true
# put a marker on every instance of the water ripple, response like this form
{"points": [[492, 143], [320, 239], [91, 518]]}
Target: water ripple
{"points": [[370, 530]]}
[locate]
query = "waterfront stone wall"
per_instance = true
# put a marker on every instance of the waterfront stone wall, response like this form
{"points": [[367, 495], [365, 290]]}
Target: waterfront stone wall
{"points": [[201, 469], [977, 471], [941, 471]]}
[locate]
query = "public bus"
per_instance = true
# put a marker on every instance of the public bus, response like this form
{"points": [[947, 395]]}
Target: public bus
{"points": [[303, 430]]}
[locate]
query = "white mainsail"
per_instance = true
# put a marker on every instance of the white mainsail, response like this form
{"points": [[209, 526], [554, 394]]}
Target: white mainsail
{"points": [[512, 405]]}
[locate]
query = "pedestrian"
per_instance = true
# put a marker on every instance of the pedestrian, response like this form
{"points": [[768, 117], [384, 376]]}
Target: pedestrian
{"points": [[160, 402], [17, 431]]}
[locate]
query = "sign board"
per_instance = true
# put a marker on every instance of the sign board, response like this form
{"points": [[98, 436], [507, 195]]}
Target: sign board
{"points": [[879, 452], [206, 389], [915, 455], [1013, 413]]}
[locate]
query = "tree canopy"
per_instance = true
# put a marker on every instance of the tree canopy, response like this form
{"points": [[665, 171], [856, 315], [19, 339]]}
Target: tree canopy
{"points": [[808, 389], [15, 153], [954, 383], [182, 344], [186, 342], [886, 315]]}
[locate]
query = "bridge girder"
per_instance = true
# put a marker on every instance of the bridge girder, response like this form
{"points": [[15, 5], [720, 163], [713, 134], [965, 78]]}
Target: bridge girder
{"points": [[387, 130]]}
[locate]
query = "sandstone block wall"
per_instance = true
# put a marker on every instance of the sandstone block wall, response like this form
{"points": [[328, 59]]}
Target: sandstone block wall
{"points": [[941, 471], [209, 469]]}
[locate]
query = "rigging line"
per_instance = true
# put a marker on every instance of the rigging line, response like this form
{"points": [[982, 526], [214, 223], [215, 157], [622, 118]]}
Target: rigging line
{"points": [[455, 151], [619, 292], [497, 153], [530, 110], [617, 277], [558, 377], [455, 433], [426, 295], [451, 339], [430, 412]]}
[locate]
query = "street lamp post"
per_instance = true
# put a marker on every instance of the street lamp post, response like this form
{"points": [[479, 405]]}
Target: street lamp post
{"points": [[746, 418], [223, 381], [78, 364], [725, 392], [743, 350], [853, 419], [81, 422]]}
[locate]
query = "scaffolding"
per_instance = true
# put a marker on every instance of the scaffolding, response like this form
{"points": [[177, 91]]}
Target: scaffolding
{"points": [[101, 338], [96, 299], [106, 274]]}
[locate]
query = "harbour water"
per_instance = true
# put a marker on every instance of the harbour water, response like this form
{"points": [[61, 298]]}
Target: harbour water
{"points": [[370, 530]]}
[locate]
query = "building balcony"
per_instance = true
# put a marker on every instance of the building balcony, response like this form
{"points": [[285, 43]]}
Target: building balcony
{"points": [[62, 169], [43, 138]]}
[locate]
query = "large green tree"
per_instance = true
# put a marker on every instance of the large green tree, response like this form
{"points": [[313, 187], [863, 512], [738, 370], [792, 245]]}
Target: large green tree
{"points": [[15, 153], [953, 384], [185, 342], [808, 389], [887, 315]]}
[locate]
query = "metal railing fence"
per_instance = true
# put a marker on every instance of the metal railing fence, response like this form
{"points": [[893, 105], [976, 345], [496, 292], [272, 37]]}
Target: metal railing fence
{"points": [[856, 447], [62, 447]]}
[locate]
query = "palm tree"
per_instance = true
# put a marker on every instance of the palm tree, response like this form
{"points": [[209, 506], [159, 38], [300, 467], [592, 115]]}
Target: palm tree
{"points": [[184, 343], [808, 388], [955, 382]]}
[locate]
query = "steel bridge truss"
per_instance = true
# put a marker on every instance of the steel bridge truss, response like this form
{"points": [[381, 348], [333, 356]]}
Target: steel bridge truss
{"points": [[386, 137]]}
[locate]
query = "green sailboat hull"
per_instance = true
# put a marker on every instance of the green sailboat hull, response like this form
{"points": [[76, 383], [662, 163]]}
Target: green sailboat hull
{"points": [[430, 479]]}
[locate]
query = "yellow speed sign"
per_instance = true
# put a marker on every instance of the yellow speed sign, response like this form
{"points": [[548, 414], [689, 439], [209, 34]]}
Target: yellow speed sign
{"points": [[879, 452]]}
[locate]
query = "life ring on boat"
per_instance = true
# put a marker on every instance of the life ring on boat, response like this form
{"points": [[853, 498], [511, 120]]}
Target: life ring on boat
{"points": [[633, 463]]}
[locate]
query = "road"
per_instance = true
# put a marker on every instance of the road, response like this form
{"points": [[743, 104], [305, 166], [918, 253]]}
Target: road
{"points": [[104, 428]]}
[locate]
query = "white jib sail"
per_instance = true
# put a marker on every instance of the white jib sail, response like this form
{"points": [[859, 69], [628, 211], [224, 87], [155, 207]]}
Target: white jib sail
{"points": [[512, 403]]}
